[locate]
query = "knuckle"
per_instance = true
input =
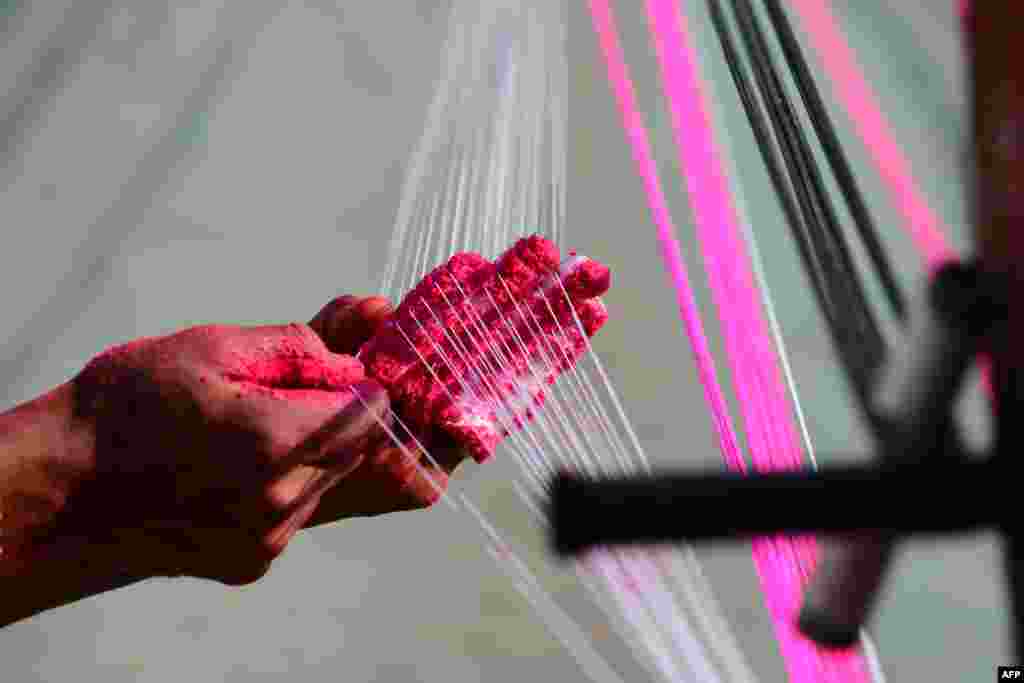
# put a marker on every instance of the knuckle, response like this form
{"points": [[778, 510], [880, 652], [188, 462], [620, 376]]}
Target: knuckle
{"points": [[421, 501], [205, 331], [293, 339], [375, 308], [272, 548], [333, 309], [305, 334], [211, 341], [343, 301], [267, 442], [244, 574], [278, 500], [277, 444], [251, 562], [429, 496], [423, 488]]}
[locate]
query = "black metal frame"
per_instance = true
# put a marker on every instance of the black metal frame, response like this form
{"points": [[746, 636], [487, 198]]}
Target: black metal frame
{"points": [[865, 509]]}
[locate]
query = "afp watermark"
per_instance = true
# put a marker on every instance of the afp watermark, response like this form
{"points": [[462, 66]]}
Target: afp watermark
{"points": [[1010, 673]]}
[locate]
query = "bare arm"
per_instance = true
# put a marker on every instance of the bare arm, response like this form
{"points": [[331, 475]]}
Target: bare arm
{"points": [[191, 455], [47, 559]]}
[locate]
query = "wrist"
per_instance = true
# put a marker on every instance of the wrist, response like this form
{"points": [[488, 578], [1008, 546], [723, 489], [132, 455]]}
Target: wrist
{"points": [[46, 455], [53, 550]]}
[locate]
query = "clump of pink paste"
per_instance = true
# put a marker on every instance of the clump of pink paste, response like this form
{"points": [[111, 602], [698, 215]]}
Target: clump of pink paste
{"points": [[467, 354]]}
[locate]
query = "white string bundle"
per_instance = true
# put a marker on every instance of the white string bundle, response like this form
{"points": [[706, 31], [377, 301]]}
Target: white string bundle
{"points": [[491, 164], [491, 168]]}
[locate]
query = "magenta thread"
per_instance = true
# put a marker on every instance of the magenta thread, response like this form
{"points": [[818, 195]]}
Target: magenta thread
{"points": [[783, 564]]}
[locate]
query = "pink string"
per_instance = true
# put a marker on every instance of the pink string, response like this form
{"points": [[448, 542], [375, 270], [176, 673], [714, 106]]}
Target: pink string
{"points": [[671, 251], [860, 103], [782, 564]]}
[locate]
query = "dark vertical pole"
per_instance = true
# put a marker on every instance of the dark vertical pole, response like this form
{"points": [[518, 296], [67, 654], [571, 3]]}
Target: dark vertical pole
{"points": [[1008, 443], [992, 36]]}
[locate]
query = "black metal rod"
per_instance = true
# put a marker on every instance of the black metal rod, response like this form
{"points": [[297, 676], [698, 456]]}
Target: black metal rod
{"points": [[669, 508], [833, 149]]}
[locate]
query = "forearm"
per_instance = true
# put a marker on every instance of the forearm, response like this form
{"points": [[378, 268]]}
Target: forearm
{"points": [[64, 570], [51, 555]]}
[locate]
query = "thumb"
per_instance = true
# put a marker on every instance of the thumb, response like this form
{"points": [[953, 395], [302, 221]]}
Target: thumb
{"points": [[348, 322]]}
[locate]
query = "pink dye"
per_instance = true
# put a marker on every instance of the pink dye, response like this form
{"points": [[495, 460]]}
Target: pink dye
{"points": [[476, 324], [282, 365], [783, 564], [671, 251], [860, 103]]}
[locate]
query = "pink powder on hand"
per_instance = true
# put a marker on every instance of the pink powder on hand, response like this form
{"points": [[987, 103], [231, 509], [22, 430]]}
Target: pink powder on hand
{"points": [[468, 352]]}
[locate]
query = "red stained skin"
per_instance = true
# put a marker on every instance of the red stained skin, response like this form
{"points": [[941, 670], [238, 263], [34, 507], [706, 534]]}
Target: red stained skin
{"points": [[590, 280], [298, 372], [450, 320], [289, 363], [283, 366]]}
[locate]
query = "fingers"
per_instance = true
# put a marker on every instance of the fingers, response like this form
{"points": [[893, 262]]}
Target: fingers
{"points": [[448, 457], [295, 398], [390, 480], [348, 322], [304, 401], [307, 427], [309, 485], [306, 483], [355, 428], [329, 453]]}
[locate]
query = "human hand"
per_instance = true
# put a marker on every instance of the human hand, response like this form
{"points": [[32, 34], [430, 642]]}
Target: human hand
{"points": [[204, 441], [208, 442], [200, 453]]}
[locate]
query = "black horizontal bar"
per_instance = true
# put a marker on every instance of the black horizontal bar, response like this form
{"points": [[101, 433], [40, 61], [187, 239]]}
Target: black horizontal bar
{"points": [[952, 497]]}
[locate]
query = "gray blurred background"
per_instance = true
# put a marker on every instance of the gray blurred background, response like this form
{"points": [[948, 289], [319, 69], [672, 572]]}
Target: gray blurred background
{"points": [[166, 164]]}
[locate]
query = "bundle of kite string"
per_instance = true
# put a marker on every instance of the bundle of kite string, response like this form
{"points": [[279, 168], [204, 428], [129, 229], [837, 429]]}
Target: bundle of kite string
{"points": [[491, 168]]}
